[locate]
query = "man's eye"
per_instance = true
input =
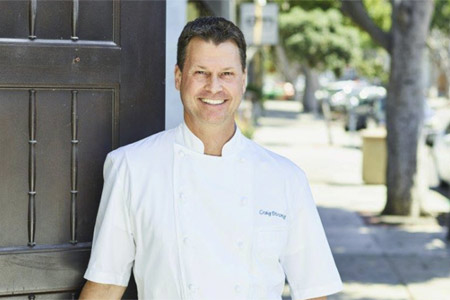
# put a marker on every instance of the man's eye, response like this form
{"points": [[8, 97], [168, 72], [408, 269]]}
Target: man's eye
{"points": [[200, 72], [227, 74]]}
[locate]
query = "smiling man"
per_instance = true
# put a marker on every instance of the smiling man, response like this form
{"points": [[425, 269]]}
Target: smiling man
{"points": [[211, 81], [201, 212]]}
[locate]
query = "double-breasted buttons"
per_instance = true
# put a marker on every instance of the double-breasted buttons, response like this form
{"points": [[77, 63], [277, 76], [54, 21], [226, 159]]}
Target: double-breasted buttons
{"points": [[238, 289], [201, 206], [182, 197], [240, 244]]}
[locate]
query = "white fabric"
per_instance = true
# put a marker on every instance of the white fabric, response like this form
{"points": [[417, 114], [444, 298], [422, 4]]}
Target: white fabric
{"points": [[196, 226]]}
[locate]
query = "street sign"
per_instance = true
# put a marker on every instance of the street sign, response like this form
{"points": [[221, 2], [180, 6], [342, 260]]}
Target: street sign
{"points": [[259, 23]]}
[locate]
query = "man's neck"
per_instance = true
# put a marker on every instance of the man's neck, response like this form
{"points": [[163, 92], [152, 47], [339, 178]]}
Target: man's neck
{"points": [[213, 137]]}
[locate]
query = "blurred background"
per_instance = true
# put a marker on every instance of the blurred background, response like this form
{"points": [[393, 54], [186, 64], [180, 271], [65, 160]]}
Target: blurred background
{"points": [[354, 92]]}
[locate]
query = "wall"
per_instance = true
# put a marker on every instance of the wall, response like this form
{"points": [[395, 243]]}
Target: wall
{"points": [[175, 21]]}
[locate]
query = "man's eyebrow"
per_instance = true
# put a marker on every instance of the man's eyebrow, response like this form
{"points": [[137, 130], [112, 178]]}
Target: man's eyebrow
{"points": [[224, 69]]}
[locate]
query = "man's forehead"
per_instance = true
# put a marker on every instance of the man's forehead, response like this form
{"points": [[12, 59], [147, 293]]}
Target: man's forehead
{"points": [[202, 57]]}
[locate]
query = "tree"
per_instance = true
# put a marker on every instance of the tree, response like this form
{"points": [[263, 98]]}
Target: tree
{"points": [[405, 42], [318, 40], [441, 16], [373, 63], [439, 41]]}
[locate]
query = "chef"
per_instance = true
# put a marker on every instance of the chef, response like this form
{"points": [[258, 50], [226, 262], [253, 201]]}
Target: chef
{"points": [[200, 211]]}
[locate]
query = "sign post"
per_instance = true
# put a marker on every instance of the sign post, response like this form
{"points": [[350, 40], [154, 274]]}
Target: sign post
{"points": [[259, 23]]}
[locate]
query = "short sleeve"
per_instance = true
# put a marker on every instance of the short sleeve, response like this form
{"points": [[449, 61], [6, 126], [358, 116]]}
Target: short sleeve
{"points": [[307, 261], [113, 247]]}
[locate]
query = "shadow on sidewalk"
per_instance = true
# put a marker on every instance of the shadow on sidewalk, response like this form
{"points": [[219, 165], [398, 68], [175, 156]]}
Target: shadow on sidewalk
{"points": [[372, 255]]}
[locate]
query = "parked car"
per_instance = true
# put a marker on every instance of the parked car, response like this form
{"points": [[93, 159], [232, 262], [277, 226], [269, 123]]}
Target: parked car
{"points": [[441, 153], [336, 94], [365, 103], [362, 108]]}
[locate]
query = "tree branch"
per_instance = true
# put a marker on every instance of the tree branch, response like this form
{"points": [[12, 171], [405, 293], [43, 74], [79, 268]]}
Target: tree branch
{"points": [[357, 12]]}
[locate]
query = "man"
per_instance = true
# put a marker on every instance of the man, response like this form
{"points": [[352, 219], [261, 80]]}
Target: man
{"points": [[201, 212]]}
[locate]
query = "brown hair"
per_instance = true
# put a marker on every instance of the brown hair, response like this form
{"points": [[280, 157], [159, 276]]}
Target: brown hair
{"points": [[215, 29]]}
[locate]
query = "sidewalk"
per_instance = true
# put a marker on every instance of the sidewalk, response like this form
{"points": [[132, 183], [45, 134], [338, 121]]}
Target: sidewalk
{"points": [[411, 261]]}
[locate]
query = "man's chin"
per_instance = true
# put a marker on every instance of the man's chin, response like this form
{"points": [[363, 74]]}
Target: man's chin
{"points": [[214, 122]]}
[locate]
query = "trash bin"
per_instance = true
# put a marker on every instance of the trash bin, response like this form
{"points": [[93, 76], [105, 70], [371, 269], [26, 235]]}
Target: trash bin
{"points": [[374, 156]]}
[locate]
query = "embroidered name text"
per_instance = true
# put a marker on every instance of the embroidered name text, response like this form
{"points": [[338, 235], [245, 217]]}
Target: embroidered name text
{"points": [[272, 214]]}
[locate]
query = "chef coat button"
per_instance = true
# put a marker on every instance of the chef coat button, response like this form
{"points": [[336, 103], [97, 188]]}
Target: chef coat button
{"points": [[181, 153], [182, 198], [237, 289], [186, 240], [243, 201], [242, 160], [240, 244], [192, 288]]}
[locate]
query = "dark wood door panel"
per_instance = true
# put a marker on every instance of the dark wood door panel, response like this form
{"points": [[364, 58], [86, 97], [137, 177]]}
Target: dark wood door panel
{"points": [[94, 20], [14, 19], [44, 296], [42, 270], [98, 21], [63, 93], [53, 19], [59, 63], [14, 149], [96, 135], [142, 96], [98, 118]]}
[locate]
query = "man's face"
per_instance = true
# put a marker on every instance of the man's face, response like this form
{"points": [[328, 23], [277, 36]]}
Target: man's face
{"points": [[211, 84]]}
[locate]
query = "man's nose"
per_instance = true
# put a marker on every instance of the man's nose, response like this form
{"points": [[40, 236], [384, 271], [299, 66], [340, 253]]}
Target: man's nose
{"points": [[214, 84]]}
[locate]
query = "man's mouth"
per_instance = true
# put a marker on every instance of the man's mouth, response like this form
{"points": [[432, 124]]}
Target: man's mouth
{"points": [[212, 101]]}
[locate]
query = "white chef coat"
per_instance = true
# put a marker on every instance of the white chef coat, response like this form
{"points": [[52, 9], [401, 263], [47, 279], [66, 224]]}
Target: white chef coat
{"points": [[195, 226]]}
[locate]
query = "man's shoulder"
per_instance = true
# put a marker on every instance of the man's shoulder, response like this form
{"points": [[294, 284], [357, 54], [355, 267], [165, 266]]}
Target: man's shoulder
{"points": [[158, 143], [264, 156]]}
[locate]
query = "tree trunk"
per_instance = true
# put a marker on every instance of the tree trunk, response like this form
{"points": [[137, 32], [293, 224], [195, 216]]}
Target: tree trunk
{"points": [[311, 86], [405, 102]]}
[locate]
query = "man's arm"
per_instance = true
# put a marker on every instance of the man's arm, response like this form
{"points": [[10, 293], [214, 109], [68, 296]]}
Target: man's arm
{"points": [[99, 291]]}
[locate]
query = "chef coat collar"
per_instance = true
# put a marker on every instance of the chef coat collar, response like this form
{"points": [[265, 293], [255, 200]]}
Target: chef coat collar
{"points": [[188, 139]]}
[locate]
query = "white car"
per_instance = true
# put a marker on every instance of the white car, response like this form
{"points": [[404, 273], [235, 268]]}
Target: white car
{"points": [[441, 154]]}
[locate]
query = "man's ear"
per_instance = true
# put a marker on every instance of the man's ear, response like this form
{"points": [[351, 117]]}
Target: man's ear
{"points": [[177, 77]]}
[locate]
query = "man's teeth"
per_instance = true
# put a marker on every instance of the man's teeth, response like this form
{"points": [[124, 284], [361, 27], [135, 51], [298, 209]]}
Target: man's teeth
{"points": [[211, 101]]}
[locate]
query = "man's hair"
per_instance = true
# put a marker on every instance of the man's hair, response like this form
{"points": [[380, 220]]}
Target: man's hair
{"points": [[215, 29]]}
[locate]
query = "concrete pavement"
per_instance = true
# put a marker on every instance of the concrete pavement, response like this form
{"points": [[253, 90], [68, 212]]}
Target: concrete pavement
{"points": [[375, 260]]}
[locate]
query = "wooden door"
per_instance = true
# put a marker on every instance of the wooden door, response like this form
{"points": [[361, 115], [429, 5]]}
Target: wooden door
{"points": [[77, 79]]}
